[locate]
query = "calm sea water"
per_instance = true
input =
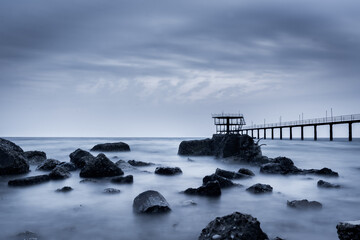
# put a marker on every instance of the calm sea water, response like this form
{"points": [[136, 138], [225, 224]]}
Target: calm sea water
{"points": [[87, 213]]}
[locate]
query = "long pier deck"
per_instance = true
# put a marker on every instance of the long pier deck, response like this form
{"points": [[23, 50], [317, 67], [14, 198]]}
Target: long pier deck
{"points": [[344, 119]]}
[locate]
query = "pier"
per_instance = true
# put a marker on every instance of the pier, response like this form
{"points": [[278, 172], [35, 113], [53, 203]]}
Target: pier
{"points": [[330, 121]]}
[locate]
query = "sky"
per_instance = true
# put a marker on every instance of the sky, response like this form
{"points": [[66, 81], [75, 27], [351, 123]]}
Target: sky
{"points": [[160, 68]]}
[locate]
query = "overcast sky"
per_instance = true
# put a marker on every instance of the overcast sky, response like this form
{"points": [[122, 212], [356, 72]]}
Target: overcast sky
{"points": [[160, 67]]}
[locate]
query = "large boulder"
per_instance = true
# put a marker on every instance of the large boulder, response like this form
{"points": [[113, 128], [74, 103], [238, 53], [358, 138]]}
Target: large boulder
{"points": [[304, 204], [260, 188], [224, 182], [234, 226], [230, 174], [29, 180], [80, 157], [150, 202], [48, 165], [168, 170], [12, 159], [280, 165], [204, 147], [59, 172], [111, 147], [211, 189], [101, 166], [349, 230], [35, 157]]}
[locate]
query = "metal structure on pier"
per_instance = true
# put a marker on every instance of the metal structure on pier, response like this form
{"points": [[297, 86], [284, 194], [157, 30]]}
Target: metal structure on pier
{"points": [[227, 123]]}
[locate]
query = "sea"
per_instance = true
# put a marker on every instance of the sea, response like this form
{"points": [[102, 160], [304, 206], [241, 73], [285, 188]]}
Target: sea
{"points": [[89, 213]]}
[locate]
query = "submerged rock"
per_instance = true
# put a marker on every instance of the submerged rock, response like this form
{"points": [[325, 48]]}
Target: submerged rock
{"points": [[139, 163], [111, 147], [246, 172], [168, 170], [27, 235], [64, 189], [48, 165], [229, 174], [324, 184], [224, 182], [322, 172], [150, 202], [260, 188], [35, 157], [111, 190], [304, 204], [101, 166], [349, 230], [120, 179], [211, 189], [12, 159], [68, 166], [59, 172], [88, 181], [29, 180], [80, 157], [234, 226]]}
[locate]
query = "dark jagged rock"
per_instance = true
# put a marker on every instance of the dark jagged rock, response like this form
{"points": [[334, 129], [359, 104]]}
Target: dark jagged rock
{"points": [[280, 165], [224, 182], [64, 189], [111, 190], [260, 188], [168, 170], [322, 172], [211, 189], [197, 147], [29, 180], [59, 173], [80, 157], [101, 166], [304, 204], [68, 166], [120, 179], [139, 163], [48, 165], [234, 226], [27, 235], [150, 202], [324, 184], [246, 172], [35, 157], [230, 175], [12, 160], [349, 230], [111, 147]]}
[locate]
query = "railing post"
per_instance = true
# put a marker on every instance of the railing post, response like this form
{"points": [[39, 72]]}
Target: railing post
{"points": [[302, 132], [350, 131], [331, 131], [290, 133], [281, 133], [315, 133]]}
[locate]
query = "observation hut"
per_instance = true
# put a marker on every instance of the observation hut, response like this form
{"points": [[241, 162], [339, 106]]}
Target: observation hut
{"points": [[228, 123]]}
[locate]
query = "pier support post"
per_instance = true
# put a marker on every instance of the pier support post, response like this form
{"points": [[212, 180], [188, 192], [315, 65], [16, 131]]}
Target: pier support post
{"points": [[247, 132], [252, 133], [302, 132], [290, 133], [350, 131], [264, 133], [272, 133], [281, 133], [315, 133], [331, 132], [258, 132]]}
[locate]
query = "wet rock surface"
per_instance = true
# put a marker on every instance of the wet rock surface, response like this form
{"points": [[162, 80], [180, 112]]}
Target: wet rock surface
{"points": [[125, 179], [139, 163], [101, 166], [59, 172], [211, 189], [80, 157], [304, 204], [260, 188], [224, 182], [29, 180], [35, 157], [234, 226], [168, 170], [111, 191], [48, 165], [64, 189], [230, 175], [12, 159], [349, 230], [324, 184], [111, 147], [150, 202]]}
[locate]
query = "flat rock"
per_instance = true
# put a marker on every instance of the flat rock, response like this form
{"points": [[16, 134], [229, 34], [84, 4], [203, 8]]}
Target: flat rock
{"points": [[101, 166], [125, 179], [324, 184], [12, 159], [230, 174], [349, 230], [139, 163], [150, 202], [64, 189], [234, 226], [246, 171], [59, 172], [167, 170], [327, 172], [211, 189], [224, 182], [80, 157], [88, 181], [35, 157], [48, 165], [29, 180], [260, 188], [304, 204], [111, 147], [111, 190]]}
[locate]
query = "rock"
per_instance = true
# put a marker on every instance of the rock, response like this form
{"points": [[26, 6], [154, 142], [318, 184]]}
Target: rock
{"points": [[349, 230], [188, 203], [139, 163], [59, 173], [260, 188], [167, 170], [111, 147], [29, 180], [68, 166], [304, 204], [27, 235], [48, 165], [88, 180], [234, 226], [197, 147], [150, 202], [246, 171], [101, 166], [211, 189], [12, 159], [111, 190], [280, 165], [324, 184], [224, 182], [64, 189], [229, 174], [35, 157], [322, 172], [126, 179], [80, 157]]}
